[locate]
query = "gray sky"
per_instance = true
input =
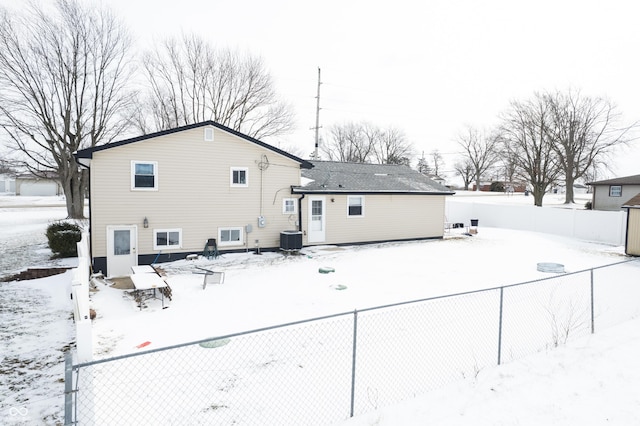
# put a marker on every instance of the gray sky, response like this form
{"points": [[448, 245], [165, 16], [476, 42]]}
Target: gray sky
{"points": [[427, 67]]}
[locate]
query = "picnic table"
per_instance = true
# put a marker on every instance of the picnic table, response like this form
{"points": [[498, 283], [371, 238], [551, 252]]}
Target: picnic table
{"points": [[146, 281]]}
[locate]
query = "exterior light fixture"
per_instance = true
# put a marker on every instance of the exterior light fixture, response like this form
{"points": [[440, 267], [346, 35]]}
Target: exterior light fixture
{"points": [[145, 222]]}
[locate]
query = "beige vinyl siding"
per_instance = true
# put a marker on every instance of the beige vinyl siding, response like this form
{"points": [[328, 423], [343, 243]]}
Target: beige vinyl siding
{"points": [[633, 233], [194, 191], [386, 217]]}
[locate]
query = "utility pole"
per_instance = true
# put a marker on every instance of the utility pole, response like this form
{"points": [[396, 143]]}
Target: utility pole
{"points": [[315, 152]]}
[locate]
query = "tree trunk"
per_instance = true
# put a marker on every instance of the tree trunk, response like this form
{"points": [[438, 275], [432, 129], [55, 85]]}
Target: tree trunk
{"points": [[568, 197], [538, 195], [73, 186]]}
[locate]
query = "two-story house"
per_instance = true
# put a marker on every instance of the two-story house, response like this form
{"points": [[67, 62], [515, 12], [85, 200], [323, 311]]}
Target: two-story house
{"points": [[160, 197]]}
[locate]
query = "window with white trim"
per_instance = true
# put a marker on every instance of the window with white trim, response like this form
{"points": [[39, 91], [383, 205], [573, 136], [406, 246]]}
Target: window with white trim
{"points": [[144, 175], [289, 206], [239, 176], [232, 236], [615, 191], [355, 206], [167, 238]]}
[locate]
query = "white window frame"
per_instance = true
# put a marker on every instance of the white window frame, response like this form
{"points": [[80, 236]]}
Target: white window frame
{"points": [[133, 176], [246, 177], [349, 198], [156, 246], [293, 203], [208, 134], [617, 192], [222, 243]]}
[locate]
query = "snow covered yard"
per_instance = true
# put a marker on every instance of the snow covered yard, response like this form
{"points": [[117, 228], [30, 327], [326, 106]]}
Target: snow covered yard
{"points": [[271, 289]]}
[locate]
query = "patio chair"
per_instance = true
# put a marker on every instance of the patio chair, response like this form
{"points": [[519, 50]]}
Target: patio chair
{"points": [[210, 249]]}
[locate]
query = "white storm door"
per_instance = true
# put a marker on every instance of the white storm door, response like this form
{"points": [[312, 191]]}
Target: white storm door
{"points": [[122, 253], [316, 233]]}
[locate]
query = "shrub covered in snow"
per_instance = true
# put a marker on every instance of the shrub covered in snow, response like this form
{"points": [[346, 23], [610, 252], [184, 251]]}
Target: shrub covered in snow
{"points": [[62, 237]]}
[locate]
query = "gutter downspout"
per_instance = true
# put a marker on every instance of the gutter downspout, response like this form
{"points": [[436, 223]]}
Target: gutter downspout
{"points": [[300, 212]]}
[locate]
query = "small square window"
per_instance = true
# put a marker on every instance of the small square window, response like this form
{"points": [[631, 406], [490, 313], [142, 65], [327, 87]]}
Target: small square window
{"points": [[289, 206], [615, 191], [355, 205], [239, 176], [144, 175], [167, 238]]}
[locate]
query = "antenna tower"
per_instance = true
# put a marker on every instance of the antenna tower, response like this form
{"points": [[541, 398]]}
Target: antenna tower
{"points": [[315, 152]]}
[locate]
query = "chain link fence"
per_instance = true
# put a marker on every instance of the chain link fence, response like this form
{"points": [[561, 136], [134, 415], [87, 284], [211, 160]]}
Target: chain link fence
{"points": [[325, 370]]}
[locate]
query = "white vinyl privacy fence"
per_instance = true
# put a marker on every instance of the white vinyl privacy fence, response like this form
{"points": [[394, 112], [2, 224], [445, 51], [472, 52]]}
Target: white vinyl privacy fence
{"points": [[607, 227], [325, 370]]}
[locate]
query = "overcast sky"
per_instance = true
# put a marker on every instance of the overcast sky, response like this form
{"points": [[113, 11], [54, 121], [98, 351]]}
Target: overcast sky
{"points": [[427, 67]]}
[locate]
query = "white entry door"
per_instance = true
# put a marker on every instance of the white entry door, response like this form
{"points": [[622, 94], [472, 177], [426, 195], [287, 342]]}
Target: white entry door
{"points": [[316, 233], [122, 250]]}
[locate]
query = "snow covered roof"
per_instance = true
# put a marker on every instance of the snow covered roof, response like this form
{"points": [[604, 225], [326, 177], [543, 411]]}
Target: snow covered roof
{"points": [[336, 177]]}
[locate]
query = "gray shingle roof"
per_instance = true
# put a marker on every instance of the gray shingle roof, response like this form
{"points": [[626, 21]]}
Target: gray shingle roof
{"points": [[627, 180], [333, 177]]}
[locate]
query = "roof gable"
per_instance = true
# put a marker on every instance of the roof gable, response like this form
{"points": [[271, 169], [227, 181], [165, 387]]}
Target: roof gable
{"points": [[335, 177], [88, 152]]}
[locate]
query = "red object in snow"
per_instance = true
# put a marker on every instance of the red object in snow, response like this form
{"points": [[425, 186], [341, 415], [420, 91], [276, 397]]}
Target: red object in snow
{"points": [[142, 345]]}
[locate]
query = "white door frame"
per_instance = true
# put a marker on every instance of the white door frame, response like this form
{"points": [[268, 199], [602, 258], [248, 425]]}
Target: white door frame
{"points": [[316, 232], [120, 264]]}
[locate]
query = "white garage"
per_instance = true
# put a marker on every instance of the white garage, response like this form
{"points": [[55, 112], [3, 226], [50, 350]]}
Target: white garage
{"points": [[34, 186]]}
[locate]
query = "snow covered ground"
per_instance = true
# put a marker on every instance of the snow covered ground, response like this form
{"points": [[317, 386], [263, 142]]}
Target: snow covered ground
{"points": [[591, 381]]}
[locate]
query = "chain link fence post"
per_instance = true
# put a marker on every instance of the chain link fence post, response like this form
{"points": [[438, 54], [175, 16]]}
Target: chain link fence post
{"points": [[500, 326], [353, 361], [68, 388], [593, 330]]}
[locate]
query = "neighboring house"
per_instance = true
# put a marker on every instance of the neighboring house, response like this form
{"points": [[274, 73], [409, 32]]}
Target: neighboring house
{"points": [[632, 238], [611, 194], [349, 203], [44, 185], [160, 197], [7, 183]]}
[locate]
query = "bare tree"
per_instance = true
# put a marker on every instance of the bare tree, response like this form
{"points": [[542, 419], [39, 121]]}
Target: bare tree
{"points": [[363, 142], [584, 130], [481, 150], [347, 143], [63, 74], [529, 142], [465, 169], [437, 159], [193, 82], [392, 147]]}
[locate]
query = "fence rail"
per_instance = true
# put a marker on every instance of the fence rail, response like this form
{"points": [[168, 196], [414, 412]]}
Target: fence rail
{"points": [[325, 370]]}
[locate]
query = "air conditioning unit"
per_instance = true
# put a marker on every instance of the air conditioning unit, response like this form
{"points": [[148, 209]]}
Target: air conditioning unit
{"points": [[291, 240]]}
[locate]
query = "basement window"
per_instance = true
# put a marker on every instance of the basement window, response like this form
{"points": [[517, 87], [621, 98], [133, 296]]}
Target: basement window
{"points": [[167, 238], [230, 236]]}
